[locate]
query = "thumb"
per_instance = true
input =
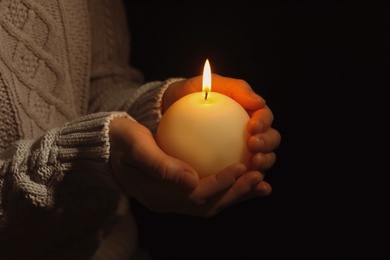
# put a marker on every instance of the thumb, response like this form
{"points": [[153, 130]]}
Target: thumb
{"points": [[133, 145], [163, 167]]}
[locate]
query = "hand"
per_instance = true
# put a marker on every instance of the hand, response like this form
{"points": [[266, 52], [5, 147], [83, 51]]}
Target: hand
{"points": [[263, 138], [166, 184]]}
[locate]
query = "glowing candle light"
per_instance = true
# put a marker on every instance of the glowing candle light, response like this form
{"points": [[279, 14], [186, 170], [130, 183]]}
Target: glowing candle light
{"points": [[208, 130]]}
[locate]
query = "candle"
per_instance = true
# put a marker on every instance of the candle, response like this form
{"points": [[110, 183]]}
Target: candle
{"points": [[208, 130]]}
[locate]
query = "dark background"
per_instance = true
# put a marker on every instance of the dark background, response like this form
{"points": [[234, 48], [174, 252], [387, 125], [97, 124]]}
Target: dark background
{"points": [[324, 71]]}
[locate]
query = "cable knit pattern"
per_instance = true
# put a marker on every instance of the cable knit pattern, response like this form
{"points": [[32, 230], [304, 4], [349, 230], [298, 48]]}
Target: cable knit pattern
{"points": [[8, 128], [64, 74], [38, 167], [34, 61]]}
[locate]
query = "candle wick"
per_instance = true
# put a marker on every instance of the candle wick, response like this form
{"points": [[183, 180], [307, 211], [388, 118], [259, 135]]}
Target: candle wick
{"points": [[206, 94]]}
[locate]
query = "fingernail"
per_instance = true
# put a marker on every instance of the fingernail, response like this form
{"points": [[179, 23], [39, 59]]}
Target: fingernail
{"points": [[259, 126], [190, 179], [255, 126], [260, 143], [240, 169], [258, 98], [256, 179]]}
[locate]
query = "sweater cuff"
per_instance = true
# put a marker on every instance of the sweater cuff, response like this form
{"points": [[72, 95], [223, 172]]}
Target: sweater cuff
{"points": [[147, 108], [85, 141], [38, 167]]}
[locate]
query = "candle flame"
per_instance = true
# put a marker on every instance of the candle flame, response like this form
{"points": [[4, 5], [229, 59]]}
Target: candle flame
{"points": [[206, 85]]}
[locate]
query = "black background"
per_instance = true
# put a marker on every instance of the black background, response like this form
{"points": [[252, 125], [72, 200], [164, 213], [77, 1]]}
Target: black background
{"points": [[324, 71]]}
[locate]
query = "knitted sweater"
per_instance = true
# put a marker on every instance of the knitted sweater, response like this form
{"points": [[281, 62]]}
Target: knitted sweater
{"points": [[64, 74]]}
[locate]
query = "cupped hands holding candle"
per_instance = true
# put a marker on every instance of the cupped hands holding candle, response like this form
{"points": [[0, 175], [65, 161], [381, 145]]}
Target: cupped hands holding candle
{"points": [[164, 183], [206, 129], [210, 130]]}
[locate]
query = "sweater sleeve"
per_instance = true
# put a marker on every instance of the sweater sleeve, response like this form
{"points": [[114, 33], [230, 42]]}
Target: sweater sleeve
{"points": [[114, 83], [32, 170], [145, 105]]}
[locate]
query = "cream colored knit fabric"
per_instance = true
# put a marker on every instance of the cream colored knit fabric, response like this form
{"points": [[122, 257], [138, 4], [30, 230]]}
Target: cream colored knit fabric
{"points": [[64, 74]]}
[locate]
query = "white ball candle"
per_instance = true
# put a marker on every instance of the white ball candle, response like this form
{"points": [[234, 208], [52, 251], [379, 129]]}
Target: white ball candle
{"points": [[208, 130]]}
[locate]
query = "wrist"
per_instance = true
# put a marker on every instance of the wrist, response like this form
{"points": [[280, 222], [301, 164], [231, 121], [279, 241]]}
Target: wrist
{"points": [[168, 93]]}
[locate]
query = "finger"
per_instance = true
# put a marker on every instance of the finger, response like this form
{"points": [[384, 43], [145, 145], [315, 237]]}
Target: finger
{"points": [[238, 90], [260, 121], [220, 182], [241, 190], [262, 162], [147, 156], [262, 189], [166, 168], [264, 143]]}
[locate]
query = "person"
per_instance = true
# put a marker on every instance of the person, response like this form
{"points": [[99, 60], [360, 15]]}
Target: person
{"points": [[77, 136]]}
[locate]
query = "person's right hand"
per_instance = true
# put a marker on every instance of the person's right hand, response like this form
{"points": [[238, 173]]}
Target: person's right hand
{"points": [[165, 184]]}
